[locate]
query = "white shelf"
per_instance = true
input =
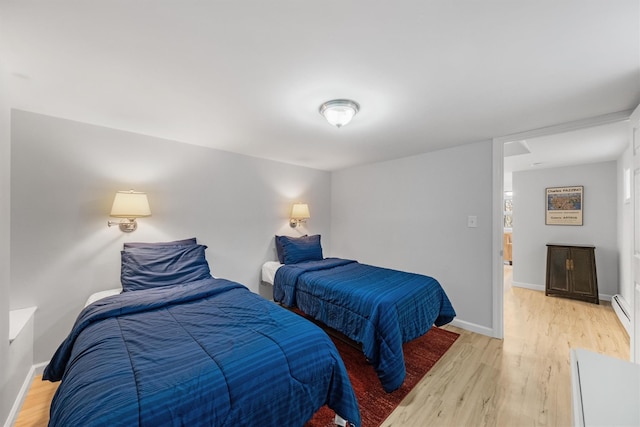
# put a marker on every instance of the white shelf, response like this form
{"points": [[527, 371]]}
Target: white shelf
{"points": [[17, 321]]}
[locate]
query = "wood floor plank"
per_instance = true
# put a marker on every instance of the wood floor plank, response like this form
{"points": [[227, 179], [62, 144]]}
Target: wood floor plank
{"points": [[35, 409], [523, 380]]}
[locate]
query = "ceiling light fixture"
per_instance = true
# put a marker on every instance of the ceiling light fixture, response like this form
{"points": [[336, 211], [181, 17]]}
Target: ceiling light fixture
{"points": [[339, 112]]}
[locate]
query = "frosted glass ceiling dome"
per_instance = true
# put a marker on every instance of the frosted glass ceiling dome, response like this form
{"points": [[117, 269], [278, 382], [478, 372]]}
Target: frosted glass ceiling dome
{"points": [[339, 112]]}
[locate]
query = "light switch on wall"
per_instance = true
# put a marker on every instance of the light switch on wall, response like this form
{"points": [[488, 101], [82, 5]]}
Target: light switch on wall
{"points": [[472, 221]]}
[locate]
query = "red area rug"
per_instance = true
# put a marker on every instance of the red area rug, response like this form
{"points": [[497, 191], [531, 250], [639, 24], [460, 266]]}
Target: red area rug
{"points": [[375, 404]]}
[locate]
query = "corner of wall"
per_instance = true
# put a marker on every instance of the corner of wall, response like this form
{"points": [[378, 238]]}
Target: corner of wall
{"points": [[7, 394]]}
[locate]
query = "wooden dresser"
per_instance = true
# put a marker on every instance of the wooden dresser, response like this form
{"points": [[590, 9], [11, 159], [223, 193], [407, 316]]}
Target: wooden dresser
{"points": [[571, 272]]}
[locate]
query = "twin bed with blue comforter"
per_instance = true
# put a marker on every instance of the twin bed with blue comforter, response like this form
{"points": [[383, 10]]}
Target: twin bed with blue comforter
{"points": [[377, 307], [196, 352]]}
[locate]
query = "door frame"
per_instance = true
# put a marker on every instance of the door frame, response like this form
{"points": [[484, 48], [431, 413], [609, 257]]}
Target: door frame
{"points": [[634, 132], [498, 195]]}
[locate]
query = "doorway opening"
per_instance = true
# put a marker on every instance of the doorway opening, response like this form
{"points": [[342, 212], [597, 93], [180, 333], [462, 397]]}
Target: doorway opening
{"points": [[541, 152]]}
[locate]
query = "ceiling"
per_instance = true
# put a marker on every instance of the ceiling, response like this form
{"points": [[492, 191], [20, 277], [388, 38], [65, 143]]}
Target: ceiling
{"points": [[248, 76], [582, 146]]}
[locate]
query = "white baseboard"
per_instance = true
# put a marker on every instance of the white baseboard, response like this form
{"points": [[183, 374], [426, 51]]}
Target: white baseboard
{"points": [[39, 367], [36, 369], [528, 286], [603, 297], [22, 394], [472, 327], [622, 310]]}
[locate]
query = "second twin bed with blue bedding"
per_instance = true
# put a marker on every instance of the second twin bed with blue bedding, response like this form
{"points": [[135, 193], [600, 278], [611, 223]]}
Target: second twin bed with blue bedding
{"points": [[377, 307]]}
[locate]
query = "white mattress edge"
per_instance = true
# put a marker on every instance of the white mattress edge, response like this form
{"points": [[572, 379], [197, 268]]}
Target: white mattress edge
{"points": [[102, 294], [269, 269]]}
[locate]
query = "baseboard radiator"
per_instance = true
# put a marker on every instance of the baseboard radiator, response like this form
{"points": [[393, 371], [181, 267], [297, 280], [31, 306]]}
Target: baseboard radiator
{"points": [[621, 308]]}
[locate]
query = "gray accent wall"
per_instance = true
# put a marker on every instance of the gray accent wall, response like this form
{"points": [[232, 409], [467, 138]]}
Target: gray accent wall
{"points": [[63, 179], [411, 214], [600, 222]]}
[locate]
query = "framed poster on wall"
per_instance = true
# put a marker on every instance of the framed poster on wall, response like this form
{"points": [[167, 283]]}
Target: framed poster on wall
{"points": [[564, 205]]}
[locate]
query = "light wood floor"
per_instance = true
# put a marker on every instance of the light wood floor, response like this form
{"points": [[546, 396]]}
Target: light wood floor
{"points": [[523, 380]]}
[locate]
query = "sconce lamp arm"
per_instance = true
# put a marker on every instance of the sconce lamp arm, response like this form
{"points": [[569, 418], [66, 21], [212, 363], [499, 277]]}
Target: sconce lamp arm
{"points": [[293, 222], [126, 225]]}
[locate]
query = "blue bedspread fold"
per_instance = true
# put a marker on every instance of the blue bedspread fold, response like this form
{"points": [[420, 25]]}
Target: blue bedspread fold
{"points": [[377, 307], [202, 353]]}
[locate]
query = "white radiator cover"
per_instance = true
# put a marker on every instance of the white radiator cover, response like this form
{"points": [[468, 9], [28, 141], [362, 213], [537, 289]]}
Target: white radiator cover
{"points": [[622, 309]]}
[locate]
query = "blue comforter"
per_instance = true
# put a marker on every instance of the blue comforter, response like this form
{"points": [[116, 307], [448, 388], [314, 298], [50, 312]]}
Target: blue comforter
{"points": [[203, 353], [377, 307]]}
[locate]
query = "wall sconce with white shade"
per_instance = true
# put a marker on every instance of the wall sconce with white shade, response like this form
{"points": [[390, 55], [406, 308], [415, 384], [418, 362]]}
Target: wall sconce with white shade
{"points": [[129, 205], [299, 214]]}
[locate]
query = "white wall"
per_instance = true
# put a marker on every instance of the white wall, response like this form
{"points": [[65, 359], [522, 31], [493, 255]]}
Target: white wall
{"points": [[600, 219], [625, 228], [64, 177], [7, 392], [411, 214]]}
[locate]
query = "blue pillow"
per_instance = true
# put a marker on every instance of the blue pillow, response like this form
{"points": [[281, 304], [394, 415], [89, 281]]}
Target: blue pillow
{"points": [[300, 249], [144, 268], [279, 249], [184, 242]]}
